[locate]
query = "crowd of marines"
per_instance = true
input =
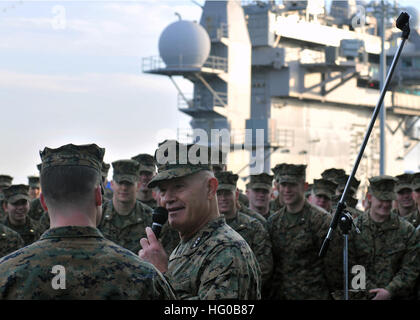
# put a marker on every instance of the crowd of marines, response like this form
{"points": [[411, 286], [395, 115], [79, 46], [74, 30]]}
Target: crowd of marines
{"points": [[219, 242]]}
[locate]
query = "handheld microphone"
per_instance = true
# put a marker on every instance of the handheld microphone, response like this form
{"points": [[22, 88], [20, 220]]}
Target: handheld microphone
{"points": [[159, 217]]}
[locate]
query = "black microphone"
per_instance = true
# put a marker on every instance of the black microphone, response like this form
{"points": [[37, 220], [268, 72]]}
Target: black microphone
{"points": [[159, 217]]}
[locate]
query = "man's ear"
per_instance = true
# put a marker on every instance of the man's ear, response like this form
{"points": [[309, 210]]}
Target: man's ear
{"points": [[212, 185], [237, 194], [98, 196], [369, 196], [305, 186], [43, 203]]}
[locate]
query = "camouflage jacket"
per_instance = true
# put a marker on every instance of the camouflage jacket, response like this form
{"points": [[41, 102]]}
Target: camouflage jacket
{"points": [[2, 212], [44, 222], [169, 238], [9, 240], [388, 251], [216, 263], [94, 268], [29, 231], [126, 231], [275, 205], [413, 217], [36, 210], [299, 273], [151, 203], [253, 214], [258, 239]]}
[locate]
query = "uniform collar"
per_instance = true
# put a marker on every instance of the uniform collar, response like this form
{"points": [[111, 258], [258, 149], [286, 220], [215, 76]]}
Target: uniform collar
{"points": [[71, 232]]}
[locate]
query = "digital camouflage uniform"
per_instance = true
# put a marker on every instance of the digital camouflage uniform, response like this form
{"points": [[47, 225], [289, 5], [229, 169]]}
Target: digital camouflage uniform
{"points": [[29, 231], [299, 274], [216, 262], [36, 210], [95, 268], [169, 238], [9, 240], [404, 181], [388, 250], [44, 222], [252, 230], [253, 214], [126, 230]]}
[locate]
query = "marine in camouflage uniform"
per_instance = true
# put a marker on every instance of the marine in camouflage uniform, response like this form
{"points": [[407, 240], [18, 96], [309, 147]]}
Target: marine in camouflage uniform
{"points": [[387, 246], [147, 171], [36, 210], [17, 201], [277, 203], [34, 187], [259, 191], [406, 206], [351, 201], [322, 192], [9, 240], [214, 262], [95, 268], [125, 229], [297, 231], [252, 230], [5, 182]]}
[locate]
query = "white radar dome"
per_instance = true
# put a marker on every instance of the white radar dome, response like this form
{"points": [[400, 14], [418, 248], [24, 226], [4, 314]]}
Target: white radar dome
{"points": [[184, 44]]}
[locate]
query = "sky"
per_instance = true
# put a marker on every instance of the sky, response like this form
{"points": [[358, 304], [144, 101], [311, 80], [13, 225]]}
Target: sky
{"points": [[71, 72]]}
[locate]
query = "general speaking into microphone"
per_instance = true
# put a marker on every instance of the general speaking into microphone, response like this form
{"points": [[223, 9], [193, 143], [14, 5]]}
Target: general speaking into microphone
{"points": [[159, 217]]}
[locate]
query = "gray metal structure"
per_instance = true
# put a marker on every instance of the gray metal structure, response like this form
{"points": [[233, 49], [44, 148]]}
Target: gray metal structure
{"points": [[286, 68]]}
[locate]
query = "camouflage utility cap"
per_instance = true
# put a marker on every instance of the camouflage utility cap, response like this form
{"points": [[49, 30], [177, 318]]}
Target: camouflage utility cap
{"points": [[33, 181], [89, 155], [332, 174], [176, 160], [415, 182], [260, 181], [217, 159], [5, 180], [403, 182], [324, 187], [290, 173], [382, 187], [146, 161], [16, 192], [126, 170], [341, 183], [227, 180], [105, 169]]}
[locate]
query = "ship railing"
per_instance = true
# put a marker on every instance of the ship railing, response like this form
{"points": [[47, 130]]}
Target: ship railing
{"points": [[154, 63]]}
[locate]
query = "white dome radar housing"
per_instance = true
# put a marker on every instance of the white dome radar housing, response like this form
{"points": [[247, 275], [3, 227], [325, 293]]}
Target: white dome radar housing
{"points": [[184, 44]]}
